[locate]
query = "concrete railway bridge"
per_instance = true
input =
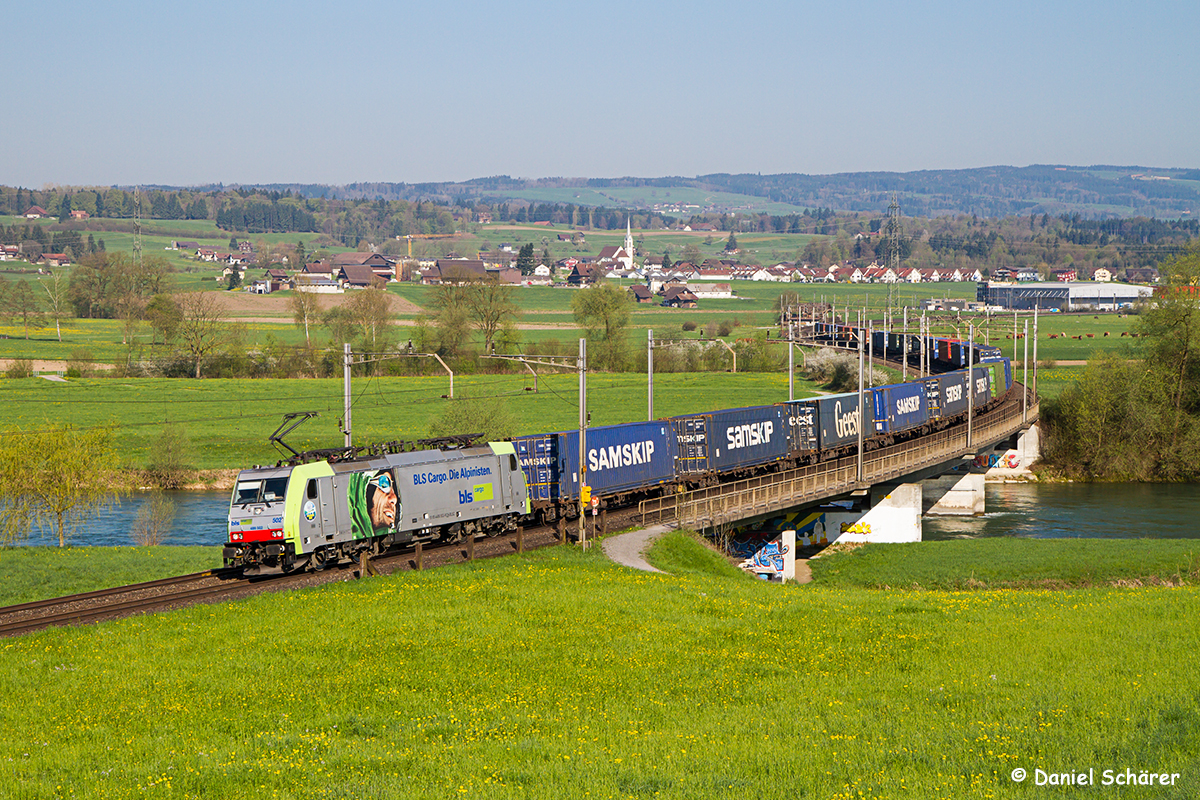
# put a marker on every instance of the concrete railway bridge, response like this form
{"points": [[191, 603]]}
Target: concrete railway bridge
{"points": [[888, 495]]}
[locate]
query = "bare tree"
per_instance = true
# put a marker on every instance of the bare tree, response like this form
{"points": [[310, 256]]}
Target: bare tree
{"points": [[491, 307], [21, 303], [153, 520], [59, 305], [203, 321], [370, 312], [305, 307]]}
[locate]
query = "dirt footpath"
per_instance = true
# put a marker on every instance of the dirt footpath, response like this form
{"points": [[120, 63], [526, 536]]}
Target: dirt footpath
{"points": [[274, 308]]}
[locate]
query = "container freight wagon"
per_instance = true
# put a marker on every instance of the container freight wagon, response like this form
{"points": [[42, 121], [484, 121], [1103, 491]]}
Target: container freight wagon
{"points": [[839, 418], [952, 391], [538, 456], [803, 435], [726, 441], [878, 340], [620, 458], [900, 407], [1000, 375]]}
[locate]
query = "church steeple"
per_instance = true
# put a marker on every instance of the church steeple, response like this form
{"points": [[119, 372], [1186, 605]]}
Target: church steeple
{"points": [[628, 238]]}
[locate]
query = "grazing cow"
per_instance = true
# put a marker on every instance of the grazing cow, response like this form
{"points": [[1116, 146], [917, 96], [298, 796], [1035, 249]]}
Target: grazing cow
{"points": [[1124, 333], [1077, 337], [1106, 333], [1091, 336], [1052, 335]]}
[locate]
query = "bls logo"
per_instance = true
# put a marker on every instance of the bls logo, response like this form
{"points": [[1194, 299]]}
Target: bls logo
{"points": [[465, 496]]}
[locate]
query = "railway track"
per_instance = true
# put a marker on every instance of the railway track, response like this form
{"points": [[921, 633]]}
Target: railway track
{"points": [[228, 584]]}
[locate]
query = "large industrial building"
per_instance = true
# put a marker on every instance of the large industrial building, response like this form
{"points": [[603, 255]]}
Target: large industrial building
{"points": [[1073, 296]]}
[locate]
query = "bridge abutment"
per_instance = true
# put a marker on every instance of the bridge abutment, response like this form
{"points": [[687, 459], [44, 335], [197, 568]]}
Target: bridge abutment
{"points": [[894, 516]]}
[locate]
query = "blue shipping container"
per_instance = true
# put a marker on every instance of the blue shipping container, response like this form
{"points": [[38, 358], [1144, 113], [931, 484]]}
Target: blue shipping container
{"points": [[900, 406], [725, 440], [839, 418], [802, 425], [983, 385], [538, 455], [619, 458]]}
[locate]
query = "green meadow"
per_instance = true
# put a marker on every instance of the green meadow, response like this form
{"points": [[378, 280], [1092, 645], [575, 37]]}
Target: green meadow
{"points": [[558, 674], [228, 420]]}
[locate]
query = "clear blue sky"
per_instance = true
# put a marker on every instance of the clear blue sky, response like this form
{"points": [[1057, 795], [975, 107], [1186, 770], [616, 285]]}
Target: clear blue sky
{"points": [[133, 91]]}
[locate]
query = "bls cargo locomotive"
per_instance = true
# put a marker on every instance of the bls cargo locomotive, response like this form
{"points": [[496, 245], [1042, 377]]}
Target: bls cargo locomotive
{"points": [[311, 515]]}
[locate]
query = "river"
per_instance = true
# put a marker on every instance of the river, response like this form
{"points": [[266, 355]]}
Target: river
{"points": [[1048, 511], [1078, 510]]}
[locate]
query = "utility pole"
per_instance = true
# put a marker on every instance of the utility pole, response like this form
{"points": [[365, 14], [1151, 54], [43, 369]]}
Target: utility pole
{"points": [[137, 226], [1035, 332], [970, 380], [650, 375], [861, 415], [346, 426], [1025, 377], [582, 443], [893, 230]]}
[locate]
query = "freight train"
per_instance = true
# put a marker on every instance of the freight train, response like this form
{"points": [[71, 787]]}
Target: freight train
{"points": [[945, 353], [312, 515]]}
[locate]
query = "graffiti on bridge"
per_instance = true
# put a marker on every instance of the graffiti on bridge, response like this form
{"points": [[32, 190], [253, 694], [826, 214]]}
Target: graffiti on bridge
{"points": [[1009, 460]]}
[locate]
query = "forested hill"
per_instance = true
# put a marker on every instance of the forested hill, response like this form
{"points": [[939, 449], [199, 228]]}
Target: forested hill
{"points": [[1096, 191]]}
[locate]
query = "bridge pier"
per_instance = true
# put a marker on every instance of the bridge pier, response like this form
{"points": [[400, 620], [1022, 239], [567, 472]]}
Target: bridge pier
{"points": [[893, 516], [961, 496]]}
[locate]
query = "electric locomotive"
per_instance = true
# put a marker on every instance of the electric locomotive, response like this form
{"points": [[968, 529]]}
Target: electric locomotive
{"points": [[316, 514]]}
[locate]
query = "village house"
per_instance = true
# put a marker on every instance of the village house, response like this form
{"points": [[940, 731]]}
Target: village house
{"points": [[358, 276], [35, 212], [614, 254], [679, 297], [79, 213], [380, 264], [711, 291], [641, 293], [274, 280], [1141, 275], [55, 260], [584, 274]]}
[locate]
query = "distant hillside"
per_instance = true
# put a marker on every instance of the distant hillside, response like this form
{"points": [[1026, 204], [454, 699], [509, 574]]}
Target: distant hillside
{"points": [[1091, 192]]}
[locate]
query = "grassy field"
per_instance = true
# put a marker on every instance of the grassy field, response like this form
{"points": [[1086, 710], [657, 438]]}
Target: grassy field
{"points": [[1005, 563], [648, 196], [558, 674], [229, 421], [549, 311], [37, 573]]}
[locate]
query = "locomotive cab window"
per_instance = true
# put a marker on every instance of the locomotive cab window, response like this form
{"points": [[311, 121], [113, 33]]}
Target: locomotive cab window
{"points": [[512, 462], [311, 491], [267, 491], [247, 491], [274, 489]]}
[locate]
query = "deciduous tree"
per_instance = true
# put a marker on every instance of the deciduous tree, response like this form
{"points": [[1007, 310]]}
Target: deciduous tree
{"points": [[56, 301], [56, 477], [202, 321], [306, 309], [21, 304], [603, 310]]}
